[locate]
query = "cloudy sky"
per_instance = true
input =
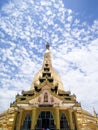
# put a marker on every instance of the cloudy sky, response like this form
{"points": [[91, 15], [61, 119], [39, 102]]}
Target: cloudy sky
{"points": [[71, 28]]}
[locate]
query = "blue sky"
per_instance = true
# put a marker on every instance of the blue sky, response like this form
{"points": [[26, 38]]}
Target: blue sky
{"points": [[87, 9], [71, 28]]}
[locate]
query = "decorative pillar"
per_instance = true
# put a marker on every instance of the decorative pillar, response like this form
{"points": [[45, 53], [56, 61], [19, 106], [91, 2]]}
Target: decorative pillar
{"points": [[76, 122], [20, 120], [70, 120], [15, 121], [34, 119], [57, 118]]}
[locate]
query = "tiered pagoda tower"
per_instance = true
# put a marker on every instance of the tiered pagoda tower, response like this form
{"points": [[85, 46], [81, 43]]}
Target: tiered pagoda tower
{"points": [[47, 105]]}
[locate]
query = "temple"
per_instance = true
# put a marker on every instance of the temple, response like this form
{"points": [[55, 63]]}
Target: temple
{"points": [[47, 105]]}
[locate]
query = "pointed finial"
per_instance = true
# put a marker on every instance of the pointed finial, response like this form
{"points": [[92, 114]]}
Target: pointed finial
{"points": [[47, 46], [94, 111]]}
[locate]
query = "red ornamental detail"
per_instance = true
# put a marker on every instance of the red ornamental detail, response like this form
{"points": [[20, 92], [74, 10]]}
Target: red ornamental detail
{"points": [[39, 99], [52, 99], [45, 97]]}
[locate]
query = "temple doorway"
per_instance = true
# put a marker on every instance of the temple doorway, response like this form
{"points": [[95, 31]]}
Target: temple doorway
{"points": [[64, 123], [27, 123], [45, 120]]}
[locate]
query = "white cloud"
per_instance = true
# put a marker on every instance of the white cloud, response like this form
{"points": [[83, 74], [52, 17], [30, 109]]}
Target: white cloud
{"points": [[69, 19]]}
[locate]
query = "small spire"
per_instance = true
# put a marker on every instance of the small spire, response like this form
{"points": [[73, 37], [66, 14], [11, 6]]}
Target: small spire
{"points": [[94, 112], [47, 46]]}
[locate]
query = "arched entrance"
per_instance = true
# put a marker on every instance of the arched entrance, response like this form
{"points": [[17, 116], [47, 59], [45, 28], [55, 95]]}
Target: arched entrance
{"points": [[45, 120], [27, 123], [64, 123]]}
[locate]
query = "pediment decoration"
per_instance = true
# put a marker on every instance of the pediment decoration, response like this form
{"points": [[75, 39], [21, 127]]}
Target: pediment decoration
{"points": [[45, 99]]}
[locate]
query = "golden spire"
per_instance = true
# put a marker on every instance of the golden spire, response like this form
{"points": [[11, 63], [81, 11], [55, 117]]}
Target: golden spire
{"points": [[47, 69], [47, 56]]}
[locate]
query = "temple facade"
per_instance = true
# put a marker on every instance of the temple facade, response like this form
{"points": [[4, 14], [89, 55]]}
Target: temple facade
{"points": [[47, 105]]}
